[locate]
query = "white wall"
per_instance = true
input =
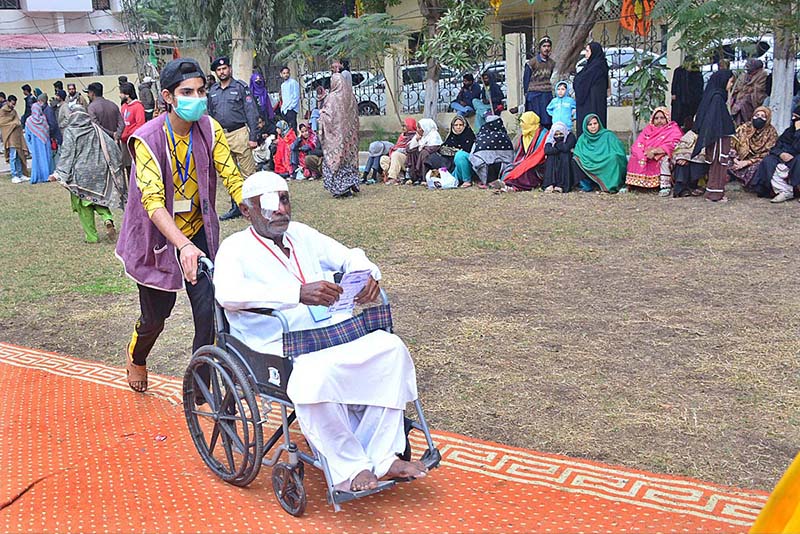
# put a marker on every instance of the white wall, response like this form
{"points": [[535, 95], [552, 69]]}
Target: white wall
{"points": [[64, 6], [13, 21]]}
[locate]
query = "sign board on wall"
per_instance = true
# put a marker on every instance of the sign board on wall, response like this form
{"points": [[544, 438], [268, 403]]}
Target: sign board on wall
{"points": [[24, 65], [62, 6]]}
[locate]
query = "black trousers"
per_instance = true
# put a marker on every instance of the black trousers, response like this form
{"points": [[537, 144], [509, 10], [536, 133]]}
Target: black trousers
{"points": [[156, 305], [291, 118]]}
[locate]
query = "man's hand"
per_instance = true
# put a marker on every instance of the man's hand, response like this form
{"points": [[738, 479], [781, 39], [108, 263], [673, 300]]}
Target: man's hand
{"points": [[369, 293], [320, 293], [786, 157], [252, 144], [189, 255], [681, 162]]}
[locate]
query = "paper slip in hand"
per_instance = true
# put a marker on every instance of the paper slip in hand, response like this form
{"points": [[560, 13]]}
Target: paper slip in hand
{"points": [[352, 284]]}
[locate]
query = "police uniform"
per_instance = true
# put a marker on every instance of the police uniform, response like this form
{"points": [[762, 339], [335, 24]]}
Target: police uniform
{"points": [[234, 108]]}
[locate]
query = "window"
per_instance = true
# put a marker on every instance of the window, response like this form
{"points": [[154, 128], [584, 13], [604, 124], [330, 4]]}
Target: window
{"points": [[101, 4], [9, 4]]}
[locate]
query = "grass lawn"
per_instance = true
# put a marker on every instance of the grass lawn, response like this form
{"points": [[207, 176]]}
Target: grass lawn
{"points": [[655, 333]]}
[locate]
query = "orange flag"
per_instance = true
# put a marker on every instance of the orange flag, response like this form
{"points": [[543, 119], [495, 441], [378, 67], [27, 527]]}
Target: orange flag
{"points": [[636, 16]]}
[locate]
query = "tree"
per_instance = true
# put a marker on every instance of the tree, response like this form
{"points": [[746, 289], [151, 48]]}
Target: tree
{"points": [[370, 37], [431, 11], [701, 26], [581, 17], [461, 41]]}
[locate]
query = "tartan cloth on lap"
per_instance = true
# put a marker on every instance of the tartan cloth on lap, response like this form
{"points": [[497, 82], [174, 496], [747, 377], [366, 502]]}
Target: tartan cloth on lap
{"points": [[305, 341]]}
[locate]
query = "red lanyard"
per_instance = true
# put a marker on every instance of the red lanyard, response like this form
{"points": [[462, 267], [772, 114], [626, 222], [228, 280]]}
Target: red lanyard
{"points": [[301, 278]]}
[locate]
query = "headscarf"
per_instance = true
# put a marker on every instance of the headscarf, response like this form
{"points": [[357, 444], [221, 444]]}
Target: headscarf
{"points": [[557, 127], [564, 83], [665, 137], [751, 142], [283, 125], [37, 92], [752, 65], [529, 122], [601, 154], [595, 72], [339, 122], [430, 134], [462, 141], [259, 90], [37, 124], [492, 136], [713, 121], [495, 94], [405, 138]]}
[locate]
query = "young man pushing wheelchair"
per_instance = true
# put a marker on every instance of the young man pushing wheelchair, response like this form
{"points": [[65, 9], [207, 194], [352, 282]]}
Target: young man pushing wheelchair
{"points": [[351, 394]]}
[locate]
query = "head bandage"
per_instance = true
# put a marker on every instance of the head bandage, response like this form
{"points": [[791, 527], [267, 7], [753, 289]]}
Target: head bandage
{"points": [[268, 185]]}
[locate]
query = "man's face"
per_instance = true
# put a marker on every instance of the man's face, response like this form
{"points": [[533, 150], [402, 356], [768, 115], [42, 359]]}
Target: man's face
{"points": [[26, 92], [123, 98], [468, 82], [91, 96], [11, 104], [545, 49], [485, 79], [266, 223], [191, 88], [561, 90], [659, 119], [223, 72], [71, 90], [285, 74]]}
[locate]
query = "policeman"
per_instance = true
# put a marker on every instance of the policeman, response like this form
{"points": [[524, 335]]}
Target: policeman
{"points": [[232, 105]]}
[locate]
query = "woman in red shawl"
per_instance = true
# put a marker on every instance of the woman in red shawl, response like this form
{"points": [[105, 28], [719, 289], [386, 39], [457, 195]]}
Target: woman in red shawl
{"points": [[648, 166], [526, 172], [395, 163]]}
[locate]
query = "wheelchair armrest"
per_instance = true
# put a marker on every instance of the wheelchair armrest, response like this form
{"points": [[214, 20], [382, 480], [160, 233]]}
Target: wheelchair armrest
{"points": [[271, 313], [384, 297]]}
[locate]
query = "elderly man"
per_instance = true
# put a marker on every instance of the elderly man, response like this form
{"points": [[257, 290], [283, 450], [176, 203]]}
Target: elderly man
{"points": [[349, 398]]}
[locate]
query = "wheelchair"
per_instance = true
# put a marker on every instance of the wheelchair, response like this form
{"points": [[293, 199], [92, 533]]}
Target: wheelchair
{"points": [[228, 392]]}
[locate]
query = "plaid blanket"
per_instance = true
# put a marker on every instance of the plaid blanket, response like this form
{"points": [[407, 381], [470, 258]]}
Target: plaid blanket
{"points": [[305, 341]]}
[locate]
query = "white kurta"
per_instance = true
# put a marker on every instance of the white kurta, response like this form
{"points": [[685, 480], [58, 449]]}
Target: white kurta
{"points": [[374, 370]]}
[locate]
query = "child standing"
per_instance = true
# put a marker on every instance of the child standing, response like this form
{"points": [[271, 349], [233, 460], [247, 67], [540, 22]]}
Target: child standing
{"points": [[562, 106]]}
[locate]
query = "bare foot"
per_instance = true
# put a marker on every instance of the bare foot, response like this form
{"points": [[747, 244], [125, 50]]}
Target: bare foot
{"points": [[402, 469], [365, 480]]}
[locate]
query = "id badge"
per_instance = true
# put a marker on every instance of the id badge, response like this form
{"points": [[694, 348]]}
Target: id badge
{"points": [[319, 313], [182, 206]]}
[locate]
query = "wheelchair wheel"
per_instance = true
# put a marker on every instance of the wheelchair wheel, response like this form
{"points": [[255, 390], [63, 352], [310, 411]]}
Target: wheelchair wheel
{"points": [[222, 414], [287, 483]]}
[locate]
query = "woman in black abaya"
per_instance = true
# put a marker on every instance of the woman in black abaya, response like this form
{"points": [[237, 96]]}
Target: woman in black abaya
{"points": [[591, 87]]}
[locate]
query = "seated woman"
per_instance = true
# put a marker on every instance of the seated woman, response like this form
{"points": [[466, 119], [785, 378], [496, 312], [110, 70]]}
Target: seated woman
{"points": [[307, 154], [282, 159], [752, 143], [490, 102], [394, 164], [492, 151], [454, 152], [558, 165], [648, 166], [372, 169], [420, 149], [526, 170], [778, 174], [686, 169], [599, 159]]}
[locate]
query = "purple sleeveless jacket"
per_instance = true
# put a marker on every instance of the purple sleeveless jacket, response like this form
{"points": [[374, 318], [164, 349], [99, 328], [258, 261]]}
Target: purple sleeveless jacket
{"points": [[149, 258]]}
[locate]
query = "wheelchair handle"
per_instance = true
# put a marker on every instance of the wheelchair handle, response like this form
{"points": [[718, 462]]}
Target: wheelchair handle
{"points": [[206, 264]]}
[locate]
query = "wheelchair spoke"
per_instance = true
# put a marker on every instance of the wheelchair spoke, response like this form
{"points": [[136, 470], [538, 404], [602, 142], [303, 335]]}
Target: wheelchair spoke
{"points": [[232, 436], [226, 444], [203, 414], [216, 389], [214, 438], [200, 383]]}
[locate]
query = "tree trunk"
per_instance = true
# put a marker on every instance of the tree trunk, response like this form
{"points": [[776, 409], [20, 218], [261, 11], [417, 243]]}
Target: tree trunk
{"points": [[572, 37], [431, 11], [242, 54], [783, 65]]}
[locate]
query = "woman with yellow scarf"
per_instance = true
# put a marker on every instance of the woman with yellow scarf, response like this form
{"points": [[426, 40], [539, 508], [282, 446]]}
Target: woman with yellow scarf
{"points": [[526, 171]]}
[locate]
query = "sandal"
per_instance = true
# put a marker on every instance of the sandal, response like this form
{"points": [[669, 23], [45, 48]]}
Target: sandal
{"points": [[137, 377]]}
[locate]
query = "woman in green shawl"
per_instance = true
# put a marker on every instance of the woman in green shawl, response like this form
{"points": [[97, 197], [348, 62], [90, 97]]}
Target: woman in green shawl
{"points": [[90, 167], [599, 159]]}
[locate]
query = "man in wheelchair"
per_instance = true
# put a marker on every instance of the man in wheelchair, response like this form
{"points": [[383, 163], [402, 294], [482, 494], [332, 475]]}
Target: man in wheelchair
{"points": [[349, 398]]}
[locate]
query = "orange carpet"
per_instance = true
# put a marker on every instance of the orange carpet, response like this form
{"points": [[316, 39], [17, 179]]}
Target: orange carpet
{"points": [[81, 452]]}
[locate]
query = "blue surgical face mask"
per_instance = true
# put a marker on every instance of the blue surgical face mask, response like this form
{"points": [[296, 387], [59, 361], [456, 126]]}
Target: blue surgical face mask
{"points": [[190, 109]]}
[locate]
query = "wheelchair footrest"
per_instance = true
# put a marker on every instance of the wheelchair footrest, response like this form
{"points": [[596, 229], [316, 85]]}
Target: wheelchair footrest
{"points": [[340, 497], [431, 458]]}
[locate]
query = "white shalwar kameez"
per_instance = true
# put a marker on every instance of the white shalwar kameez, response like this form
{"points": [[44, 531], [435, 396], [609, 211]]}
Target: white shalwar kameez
{"points": [[349, 398]]}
